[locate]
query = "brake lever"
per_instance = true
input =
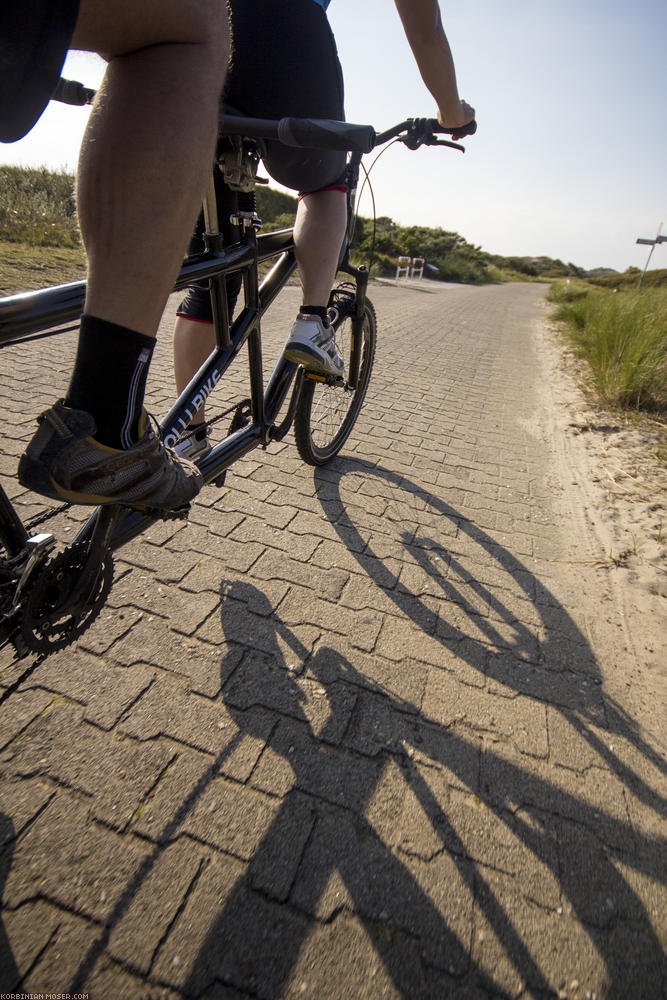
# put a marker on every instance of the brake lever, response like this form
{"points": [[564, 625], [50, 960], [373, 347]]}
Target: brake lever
{"points": [[415, 142], [446, 142]]}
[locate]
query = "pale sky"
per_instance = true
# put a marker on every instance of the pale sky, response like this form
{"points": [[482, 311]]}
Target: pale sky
{"points": [[570, 159]]}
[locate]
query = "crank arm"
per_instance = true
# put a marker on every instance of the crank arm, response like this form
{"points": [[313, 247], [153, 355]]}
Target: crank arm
{"points": [[100, 543]]}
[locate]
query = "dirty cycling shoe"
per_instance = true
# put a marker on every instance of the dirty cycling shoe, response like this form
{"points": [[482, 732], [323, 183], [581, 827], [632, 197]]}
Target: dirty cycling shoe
{"points": [[64, 461], [313, 345], [193, 444]]}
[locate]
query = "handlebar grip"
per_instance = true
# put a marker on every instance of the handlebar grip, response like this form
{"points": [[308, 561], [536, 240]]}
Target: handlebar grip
{"points": [[72, 92], [317, 133], [468, 129]]}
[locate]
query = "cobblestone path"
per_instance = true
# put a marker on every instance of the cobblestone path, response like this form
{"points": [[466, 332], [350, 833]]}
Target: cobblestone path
{"points": [[347, 733]]}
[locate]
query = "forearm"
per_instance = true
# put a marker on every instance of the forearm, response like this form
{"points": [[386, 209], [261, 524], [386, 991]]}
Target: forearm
{"points": [[426, 36]]}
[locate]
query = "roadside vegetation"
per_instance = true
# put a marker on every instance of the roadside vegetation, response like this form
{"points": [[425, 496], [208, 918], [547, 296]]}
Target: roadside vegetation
{"points": [[622, 334], [37, 209]]}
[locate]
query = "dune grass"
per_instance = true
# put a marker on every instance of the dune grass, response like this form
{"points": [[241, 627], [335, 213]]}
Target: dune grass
{"points": [[623, 337]]}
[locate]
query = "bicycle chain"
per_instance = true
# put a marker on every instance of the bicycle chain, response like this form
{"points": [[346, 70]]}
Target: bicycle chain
{"points": [[46, 516]]}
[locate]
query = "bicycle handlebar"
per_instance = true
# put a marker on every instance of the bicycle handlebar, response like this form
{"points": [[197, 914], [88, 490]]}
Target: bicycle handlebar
{"points": [[72, 92], [312, 133], [321, 133]]}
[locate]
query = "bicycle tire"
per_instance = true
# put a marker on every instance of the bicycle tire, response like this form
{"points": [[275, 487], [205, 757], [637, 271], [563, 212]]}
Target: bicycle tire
{"points": [[325, 413]]}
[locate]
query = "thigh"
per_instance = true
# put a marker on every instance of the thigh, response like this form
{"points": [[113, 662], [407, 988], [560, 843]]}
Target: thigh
{"points": [[34, 38], [119, 27], [285, 62]]}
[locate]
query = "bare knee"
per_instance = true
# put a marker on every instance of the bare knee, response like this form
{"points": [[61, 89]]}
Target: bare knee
{"points": [[118, 27]]}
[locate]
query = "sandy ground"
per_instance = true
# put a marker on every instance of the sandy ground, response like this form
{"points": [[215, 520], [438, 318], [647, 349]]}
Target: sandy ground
{"points": [[613, 462]]}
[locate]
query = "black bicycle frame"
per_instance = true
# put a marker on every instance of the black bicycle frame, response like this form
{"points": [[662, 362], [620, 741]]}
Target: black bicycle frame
{"points": [[25, 315]]}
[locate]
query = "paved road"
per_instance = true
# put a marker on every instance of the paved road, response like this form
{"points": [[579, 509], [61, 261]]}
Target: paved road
{"points": [[350, 733]]}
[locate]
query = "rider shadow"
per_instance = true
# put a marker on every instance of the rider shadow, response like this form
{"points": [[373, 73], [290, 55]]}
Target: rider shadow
{"points": [[9, 973], [321, 853], [345, 755]]}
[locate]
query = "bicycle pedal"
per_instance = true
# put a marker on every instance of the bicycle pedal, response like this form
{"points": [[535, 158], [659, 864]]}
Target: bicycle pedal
{"points": [[220, 481], [325, 379], [168, 513]]}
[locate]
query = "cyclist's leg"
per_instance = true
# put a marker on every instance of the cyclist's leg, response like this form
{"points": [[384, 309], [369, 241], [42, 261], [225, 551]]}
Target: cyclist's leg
{"points": [[145, 158], [300, 76], [147, 151], [319, 229]]}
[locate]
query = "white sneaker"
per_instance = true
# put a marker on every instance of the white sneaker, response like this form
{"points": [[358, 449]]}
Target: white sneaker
{"points": [[193, 444], [313, 345]]}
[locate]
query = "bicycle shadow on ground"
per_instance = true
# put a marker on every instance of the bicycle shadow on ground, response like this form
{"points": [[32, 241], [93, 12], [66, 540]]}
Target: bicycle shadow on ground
{"points": [[370, 827], [549, 661]]}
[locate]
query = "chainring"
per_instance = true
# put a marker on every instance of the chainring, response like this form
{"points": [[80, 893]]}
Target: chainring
{"points": [[49, 620]]}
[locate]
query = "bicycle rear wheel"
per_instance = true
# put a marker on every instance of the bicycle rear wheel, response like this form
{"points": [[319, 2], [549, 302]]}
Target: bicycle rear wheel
{"points": [[326, 411]]}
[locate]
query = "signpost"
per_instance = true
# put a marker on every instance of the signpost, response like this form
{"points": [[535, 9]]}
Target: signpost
{"points": [[652, 244]]}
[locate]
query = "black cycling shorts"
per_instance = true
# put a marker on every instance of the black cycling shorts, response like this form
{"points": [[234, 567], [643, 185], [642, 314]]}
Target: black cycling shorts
{"points": [[34, 39], [284, 63]]}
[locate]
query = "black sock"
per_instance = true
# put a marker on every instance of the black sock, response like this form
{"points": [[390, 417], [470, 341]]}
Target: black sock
{"points": [[315, 311], [109, 379]]}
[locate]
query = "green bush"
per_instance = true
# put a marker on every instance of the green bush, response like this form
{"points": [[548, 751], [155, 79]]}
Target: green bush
{"points": [[566, 292], [37, 207], [629, 280], [461, 267]]}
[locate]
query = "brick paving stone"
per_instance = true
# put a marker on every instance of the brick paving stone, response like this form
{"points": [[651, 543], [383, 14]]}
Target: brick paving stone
{"points": [[152, 641], [350, 958], [343, 959], [114, 775], [161, 813], [22, 801], [275, 862], [550, 952], [302, 607], [342, 661], [139, 930], [170, 709], [18, 712], [109, 979], [72, 862], [168, 565], [184, 614], [72, 936], [595, 799], [273, 565], [351, 868], [519, 719], [106, 690], [205, 665], [28, 930], [114, 623], [240, 624]]}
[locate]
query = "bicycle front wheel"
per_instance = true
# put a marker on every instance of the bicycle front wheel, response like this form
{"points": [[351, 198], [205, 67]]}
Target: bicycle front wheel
{"points": [[326, 411]]}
